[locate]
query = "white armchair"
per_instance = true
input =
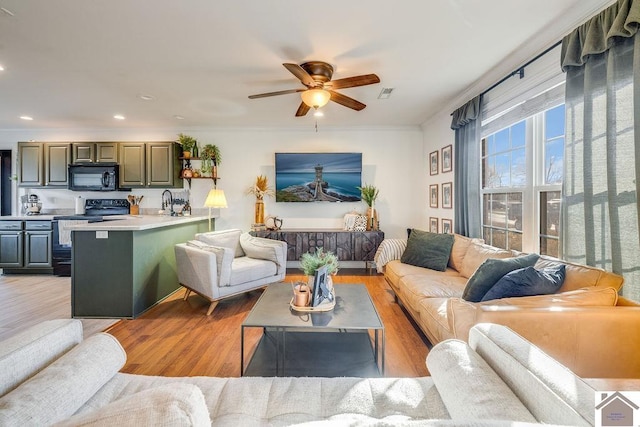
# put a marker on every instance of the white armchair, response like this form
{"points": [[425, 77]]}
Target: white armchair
{"points": [[220, 264]]}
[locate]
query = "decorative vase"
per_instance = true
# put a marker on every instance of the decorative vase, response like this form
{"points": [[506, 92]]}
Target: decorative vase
{"points": [[195, 151], [372, 219], [186, 154], [259, 212]]}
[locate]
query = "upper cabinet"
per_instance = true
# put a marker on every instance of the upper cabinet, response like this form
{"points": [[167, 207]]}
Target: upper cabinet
{"points": [[43, 164], [149, 164], [142, 164], [98, 152]]}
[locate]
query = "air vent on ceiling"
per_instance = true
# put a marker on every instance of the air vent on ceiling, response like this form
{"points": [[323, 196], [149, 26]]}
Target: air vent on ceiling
{"points": [[385, 93]]}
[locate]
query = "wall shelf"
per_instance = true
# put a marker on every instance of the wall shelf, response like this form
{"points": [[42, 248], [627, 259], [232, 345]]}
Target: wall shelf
{"points": [[186, 164]]}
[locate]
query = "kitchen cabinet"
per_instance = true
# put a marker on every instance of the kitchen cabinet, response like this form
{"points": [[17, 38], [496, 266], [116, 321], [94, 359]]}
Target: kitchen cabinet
{"points": [[43, 164], [90, 152], [150, 164], [26, 246]]}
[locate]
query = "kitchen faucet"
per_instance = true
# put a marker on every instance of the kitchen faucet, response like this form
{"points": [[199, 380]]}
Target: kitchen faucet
{"points": [[170, 203]]}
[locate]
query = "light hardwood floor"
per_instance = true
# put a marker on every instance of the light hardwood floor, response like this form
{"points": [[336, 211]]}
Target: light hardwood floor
{"points": [[30, 299], [175, 338]]}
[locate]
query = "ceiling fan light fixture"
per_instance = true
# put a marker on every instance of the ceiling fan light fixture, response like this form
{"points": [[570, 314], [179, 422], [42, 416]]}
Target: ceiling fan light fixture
{"points": [[315, 98]]}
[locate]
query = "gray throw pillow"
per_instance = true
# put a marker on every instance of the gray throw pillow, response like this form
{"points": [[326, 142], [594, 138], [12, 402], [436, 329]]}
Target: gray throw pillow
{"points": [[428, 250], [526, 282], [490, 272]]}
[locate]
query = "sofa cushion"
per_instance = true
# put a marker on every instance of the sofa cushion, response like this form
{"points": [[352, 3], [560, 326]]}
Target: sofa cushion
{"points": [[592, 296], [478, 253], [28, 352], [255, 247], [490, 272], [58, 391], [460, 247], [245, 269], [470, 389], [552, 393], [434, 284], [225, 238], [178, 404], [579, 276], [428, 250], [527, 282], [433, 315]]}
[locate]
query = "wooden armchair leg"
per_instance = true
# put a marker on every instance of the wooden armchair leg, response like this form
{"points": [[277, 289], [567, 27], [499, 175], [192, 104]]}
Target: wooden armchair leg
{"points": [[211, 307], [186, 294]]}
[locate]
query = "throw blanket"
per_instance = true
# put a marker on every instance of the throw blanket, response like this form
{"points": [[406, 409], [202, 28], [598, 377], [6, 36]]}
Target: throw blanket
{"points": [[64, 233], [389, 250]]}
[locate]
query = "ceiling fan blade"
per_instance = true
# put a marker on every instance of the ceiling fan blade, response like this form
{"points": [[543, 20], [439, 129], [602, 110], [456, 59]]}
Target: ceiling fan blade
{"points": [[301, 74], [346, 101], [280, 92], [366, 79], [303, 109]]}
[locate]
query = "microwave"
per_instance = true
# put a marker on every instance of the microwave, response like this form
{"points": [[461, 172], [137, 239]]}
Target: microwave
{"points": [[94, 177]]}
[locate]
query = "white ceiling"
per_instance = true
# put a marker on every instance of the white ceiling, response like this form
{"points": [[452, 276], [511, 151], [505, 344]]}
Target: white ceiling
{"points": [[76, 63]]}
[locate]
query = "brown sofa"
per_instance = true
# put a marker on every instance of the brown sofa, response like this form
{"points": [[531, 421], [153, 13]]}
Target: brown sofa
{"points": [[585, 325]]}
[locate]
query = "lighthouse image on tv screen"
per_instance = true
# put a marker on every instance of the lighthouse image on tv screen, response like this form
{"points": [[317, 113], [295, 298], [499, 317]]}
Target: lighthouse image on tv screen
{"points": [[311, 177]]}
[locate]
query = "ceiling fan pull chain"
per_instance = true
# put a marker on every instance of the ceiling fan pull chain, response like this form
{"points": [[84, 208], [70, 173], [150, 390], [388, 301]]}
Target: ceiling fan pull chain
{"points": [[316, 125]]}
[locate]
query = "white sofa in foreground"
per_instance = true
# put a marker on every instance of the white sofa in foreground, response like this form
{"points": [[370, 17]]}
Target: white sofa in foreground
{"points": [[49, 375]]}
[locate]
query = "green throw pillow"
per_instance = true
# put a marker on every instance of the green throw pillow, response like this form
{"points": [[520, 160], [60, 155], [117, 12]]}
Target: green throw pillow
{"points": [[428, 250], [490, 272]]}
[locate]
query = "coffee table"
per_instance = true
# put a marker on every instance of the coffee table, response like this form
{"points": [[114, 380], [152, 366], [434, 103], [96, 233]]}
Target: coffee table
{"points": [[327, 344]]}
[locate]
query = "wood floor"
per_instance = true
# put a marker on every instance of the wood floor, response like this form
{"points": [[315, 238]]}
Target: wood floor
{"points": [[175, 338], [30, 299]]}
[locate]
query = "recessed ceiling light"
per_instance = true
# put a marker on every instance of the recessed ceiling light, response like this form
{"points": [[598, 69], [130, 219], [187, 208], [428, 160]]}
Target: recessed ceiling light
{"points": [[145, 97], [1, 68], [118, 117], [318, 113], [26, 117], [7, 11], [178, 117]]}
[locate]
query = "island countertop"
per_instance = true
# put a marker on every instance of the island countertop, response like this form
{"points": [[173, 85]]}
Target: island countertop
{"points": [[135, 222]]}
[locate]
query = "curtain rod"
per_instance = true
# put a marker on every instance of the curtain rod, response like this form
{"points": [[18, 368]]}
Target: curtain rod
{"points": [[520, 70]]}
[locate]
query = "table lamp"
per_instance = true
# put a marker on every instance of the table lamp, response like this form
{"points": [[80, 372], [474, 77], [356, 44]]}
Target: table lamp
{"points": [[215, 199]]}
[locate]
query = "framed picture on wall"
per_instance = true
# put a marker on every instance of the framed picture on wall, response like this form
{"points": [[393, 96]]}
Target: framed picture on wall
{"points": [[433, 224], [433, 196], [447, 226], [447, 197], [433, 163], [447, 161]]}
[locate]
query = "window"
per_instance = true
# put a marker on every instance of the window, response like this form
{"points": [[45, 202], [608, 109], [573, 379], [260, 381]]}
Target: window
{"points": [[522, 172]]}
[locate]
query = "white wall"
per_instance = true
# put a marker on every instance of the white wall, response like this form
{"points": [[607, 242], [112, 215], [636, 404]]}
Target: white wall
{"points": [[437, 134], [392, 160]]}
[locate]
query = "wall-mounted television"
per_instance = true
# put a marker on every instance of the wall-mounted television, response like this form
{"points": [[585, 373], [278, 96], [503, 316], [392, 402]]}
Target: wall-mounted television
{"points": [[312, 177]]}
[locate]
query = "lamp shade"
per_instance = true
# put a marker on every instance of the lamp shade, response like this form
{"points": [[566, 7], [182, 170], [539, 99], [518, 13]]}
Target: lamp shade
{"points": [[215, 199], [315, 98]]}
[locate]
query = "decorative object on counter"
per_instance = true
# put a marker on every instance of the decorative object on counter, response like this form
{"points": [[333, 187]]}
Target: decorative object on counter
{"points": [[360, 223], [79, 205], [273, 223], [187, 143], [211, 158], [259, 189], [349, 221], [215, 199], [369, 195], [31, 204], [134, 204], [311, 262], [301, 294]]}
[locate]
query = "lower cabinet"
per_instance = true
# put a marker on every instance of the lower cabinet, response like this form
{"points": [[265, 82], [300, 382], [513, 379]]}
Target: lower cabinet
{"points": [[26, 246]]}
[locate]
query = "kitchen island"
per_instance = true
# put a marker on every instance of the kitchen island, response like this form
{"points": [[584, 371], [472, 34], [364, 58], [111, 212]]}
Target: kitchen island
{"points": [[125, 264]]}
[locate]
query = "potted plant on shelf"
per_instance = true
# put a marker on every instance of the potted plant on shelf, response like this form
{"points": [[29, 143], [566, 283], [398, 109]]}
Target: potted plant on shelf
{"points": [[260, 189], [211, 158], [369, 195], [310, 262], [187, 143]]}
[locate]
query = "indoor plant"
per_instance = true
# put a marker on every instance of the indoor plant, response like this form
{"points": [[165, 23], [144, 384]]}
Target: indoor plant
{"points": [[369, 195], [187, 143], [211, 158], [260, 189], [310, 262]]}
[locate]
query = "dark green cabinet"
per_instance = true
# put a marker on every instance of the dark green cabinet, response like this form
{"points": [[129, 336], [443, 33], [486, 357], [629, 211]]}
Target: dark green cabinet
{"points": [[94, 152], [160, 168], [43, 164], [132, 164], [148, 164], [25, 246]]}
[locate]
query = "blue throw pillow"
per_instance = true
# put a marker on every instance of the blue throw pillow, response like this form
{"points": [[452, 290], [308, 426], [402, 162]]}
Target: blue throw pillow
{"points": [[527, 282], [490, 272]]}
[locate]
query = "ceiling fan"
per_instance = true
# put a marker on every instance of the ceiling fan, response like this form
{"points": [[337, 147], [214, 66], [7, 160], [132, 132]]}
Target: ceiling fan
{"points": [[320, 89]]}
